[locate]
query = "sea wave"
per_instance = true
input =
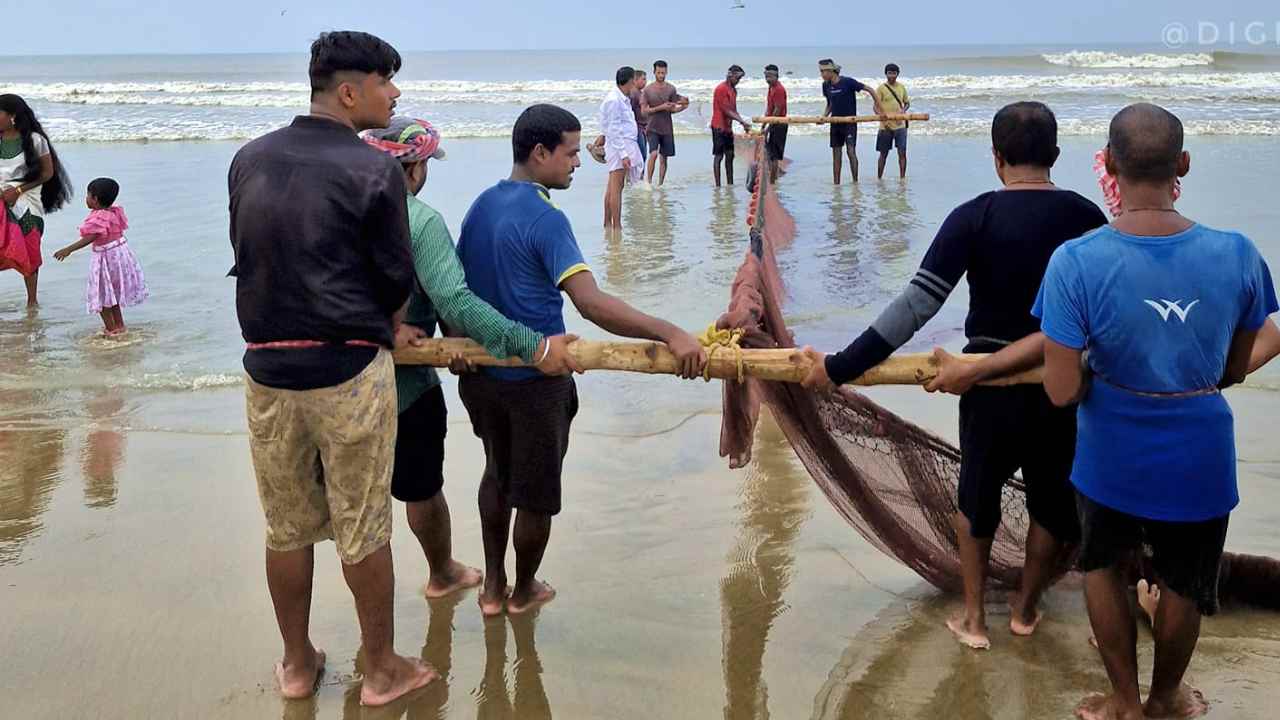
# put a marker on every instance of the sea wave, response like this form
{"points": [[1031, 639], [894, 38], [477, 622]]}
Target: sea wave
{"points": [[1225, 85], [167, 131], [1100, 59]]}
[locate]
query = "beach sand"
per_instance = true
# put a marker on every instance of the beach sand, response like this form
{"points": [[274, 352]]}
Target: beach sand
{"points": [[131, 572]]}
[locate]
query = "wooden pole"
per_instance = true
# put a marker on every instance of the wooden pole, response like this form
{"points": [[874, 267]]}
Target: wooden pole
{"points": [[654, 358], [817, 120]]}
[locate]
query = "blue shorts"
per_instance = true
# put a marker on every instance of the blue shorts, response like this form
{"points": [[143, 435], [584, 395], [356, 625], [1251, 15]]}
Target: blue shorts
{"points": [[643, 143], [886, 139]]}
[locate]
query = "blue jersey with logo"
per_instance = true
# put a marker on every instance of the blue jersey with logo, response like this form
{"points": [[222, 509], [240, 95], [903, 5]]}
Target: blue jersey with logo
{"points": [[1157, 315]]}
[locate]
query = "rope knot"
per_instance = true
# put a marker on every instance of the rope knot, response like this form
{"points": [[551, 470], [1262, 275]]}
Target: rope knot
{"points": [[714, 339]]}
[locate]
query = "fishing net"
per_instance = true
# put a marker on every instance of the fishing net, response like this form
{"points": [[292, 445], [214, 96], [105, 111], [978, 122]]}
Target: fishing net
{"points": [[893, 481]]}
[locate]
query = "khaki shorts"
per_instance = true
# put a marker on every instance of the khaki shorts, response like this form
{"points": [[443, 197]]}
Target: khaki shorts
{"points": [[323, 459]]}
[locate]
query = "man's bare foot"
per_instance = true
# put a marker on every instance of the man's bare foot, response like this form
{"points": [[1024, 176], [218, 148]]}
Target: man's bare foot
{"points": [[300, 681], [493, 604], [539, 593], [458, 578], [1020, 624], [402, 676], [971, 637], [1148, 599], [1188, 702], [1106, 707]]}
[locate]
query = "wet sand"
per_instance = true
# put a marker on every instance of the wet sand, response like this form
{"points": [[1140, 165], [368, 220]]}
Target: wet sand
{"points": [[131, 537]]}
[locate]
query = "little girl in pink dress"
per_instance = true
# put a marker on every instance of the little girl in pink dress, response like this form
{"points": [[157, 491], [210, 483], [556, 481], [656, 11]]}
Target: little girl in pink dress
{"points": [[115, 277]]}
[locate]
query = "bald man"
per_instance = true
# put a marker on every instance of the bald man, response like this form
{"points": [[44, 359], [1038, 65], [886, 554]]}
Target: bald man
{"points": [[1169, 310]]}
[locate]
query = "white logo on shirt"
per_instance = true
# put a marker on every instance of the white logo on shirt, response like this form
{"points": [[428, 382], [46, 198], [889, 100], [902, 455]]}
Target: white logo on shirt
{"points": [[1174, 306]]}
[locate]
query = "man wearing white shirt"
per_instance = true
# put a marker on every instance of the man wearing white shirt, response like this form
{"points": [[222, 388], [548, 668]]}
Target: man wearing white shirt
{"points": [[621, 151]]}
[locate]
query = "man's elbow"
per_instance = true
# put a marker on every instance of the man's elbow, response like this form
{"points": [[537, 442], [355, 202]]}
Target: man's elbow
{"points": [[1063, 395]]}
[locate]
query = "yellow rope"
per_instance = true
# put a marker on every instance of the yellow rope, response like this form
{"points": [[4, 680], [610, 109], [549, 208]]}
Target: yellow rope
{"points": [[714, 339]]}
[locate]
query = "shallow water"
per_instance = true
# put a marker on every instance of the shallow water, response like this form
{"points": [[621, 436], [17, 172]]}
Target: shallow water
{"points": [[130, 532]]}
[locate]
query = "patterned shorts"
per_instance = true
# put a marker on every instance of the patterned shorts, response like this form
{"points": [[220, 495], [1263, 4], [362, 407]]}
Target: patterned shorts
{"points": [[323, 459]]}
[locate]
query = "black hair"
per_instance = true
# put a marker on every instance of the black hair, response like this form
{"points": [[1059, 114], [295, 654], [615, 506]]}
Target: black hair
{"points": [[543, 125], [641, 72], [1026, 133], [625, 74], [826, 61], [349, 51], [659, 64], [55, 192], [771, 68], [1146, 143], [892, 67], [104, 190], [737, 69]]}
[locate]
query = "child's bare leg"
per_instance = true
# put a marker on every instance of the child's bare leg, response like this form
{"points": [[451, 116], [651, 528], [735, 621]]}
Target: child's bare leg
{"points": [[108, 320], [119, 318]]}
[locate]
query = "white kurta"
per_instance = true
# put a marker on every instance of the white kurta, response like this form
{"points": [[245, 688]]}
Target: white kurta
{"points": [[618, 123]]}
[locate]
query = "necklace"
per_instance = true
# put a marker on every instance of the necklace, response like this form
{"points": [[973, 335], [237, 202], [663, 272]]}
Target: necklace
{"points": [[1150, 209]]}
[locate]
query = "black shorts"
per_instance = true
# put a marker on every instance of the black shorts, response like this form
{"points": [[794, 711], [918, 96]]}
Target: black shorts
{"points": [[886, 139], [662, 143], [1002, 430], [1186, 556], [721, 142], [524, 425], [776, 141], [843, 134], [418, 474]]}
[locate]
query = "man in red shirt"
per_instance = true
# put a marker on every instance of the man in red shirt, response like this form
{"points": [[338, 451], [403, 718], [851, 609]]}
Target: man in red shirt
{"points": [[775, 142], [724, 111]]}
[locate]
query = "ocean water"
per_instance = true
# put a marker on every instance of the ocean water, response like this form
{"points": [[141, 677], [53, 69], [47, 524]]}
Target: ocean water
{"points": [[130, 531], [479, 94]]}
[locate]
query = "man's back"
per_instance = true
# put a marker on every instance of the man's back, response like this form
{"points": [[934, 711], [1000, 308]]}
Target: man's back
{"points": [[517, 248], [1157, 321], [320, 233]]}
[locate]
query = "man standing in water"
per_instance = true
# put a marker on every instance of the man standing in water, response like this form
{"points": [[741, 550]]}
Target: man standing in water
{"points": [[893, 99], [322, 267], [642, 120], [519, 253], [658, 103], [1002, 241], [724, 112], [1169, 310], [441, 294], [842, 101], [621, 153], [775, 106]]}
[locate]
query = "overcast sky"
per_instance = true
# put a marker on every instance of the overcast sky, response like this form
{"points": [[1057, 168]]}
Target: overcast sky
{"points": [[170, 26]]}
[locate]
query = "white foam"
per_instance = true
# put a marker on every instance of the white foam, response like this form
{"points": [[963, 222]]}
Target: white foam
{"points": [[1105, 60]]}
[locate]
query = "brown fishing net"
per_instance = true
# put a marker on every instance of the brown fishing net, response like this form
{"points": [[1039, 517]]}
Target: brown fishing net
{"points": [[894, 482]]}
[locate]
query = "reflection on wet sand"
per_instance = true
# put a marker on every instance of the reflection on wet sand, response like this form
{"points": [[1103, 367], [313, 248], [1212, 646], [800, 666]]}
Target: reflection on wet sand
{"points": [[30, 469], [103, 449], [862, 236], [642, 260], [775, 504], [494, 701]]}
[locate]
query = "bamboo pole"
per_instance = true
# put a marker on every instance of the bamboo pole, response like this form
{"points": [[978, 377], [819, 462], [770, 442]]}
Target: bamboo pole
{"points": [[654, 358], [818, 120]]}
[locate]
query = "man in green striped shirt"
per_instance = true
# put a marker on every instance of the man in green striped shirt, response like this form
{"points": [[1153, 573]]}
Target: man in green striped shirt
{"points": [[441, 295]]}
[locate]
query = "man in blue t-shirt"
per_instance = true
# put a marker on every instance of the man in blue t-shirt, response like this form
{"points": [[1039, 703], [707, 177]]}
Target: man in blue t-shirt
{"points": [[1168, 310], [519, 254], [842, 101]]}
